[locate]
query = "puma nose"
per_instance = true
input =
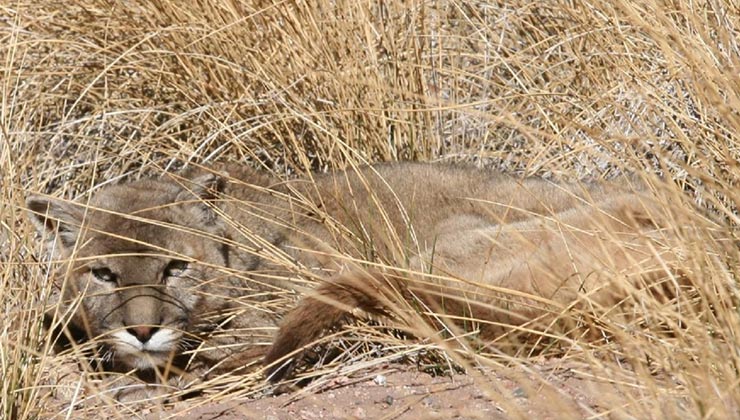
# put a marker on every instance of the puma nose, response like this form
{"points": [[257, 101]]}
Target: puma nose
{"points": [[142, 333]]}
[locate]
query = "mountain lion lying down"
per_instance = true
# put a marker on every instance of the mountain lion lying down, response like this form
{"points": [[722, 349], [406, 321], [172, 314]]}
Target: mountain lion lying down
{"points": [[160, 269]]}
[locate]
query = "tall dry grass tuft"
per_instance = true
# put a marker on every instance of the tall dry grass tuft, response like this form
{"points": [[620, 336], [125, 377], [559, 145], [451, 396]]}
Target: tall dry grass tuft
{"points": [[95, 91]]}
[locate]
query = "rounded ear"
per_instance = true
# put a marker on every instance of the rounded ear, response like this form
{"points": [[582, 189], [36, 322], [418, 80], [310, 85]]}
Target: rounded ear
{"points": [[199, 195], [55, 219]]}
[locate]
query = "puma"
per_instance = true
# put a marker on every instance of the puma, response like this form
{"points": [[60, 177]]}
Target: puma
{"points": [[158, 269]]}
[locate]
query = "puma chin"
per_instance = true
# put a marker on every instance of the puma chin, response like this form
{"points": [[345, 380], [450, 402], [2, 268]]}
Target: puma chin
{"points": [[156, 351]]}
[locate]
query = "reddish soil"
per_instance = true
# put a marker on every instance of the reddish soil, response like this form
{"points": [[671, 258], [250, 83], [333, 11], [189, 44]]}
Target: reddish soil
{"points": [[401, 392]]}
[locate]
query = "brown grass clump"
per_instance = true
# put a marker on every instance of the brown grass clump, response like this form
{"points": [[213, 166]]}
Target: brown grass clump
{"points": [[94, 91]]}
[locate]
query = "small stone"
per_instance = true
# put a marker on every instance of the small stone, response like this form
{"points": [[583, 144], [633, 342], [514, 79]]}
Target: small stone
{"points": [[389, 400], [381, 380]]}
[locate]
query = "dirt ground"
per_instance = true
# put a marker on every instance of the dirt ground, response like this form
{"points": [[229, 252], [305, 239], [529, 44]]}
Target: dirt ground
{"points": [[539, 389], [402, 392]]}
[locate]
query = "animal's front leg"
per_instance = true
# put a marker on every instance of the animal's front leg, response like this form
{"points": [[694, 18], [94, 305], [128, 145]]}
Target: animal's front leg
{"points": [[329, 305]]}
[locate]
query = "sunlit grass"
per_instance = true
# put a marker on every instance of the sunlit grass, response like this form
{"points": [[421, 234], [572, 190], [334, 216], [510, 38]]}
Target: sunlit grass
{"points": [[95, 91]]}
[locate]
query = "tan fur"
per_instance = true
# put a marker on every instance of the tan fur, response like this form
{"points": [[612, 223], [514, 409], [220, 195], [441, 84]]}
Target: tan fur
{"points": [[457, 237]]}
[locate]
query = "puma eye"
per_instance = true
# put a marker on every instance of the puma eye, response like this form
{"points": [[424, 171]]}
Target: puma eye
{"points": [[104, 274], [176, 268]]}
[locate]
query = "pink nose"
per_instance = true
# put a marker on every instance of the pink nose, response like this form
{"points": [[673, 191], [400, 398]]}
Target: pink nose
{"points": [[142, 333]]}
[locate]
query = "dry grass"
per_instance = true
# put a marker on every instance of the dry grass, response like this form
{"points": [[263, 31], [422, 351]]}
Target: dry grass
{"points": [[93, 91]]}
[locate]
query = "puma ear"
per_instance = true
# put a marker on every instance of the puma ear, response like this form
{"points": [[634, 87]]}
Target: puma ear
{"points": [[199, 196], [56, 219]]}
